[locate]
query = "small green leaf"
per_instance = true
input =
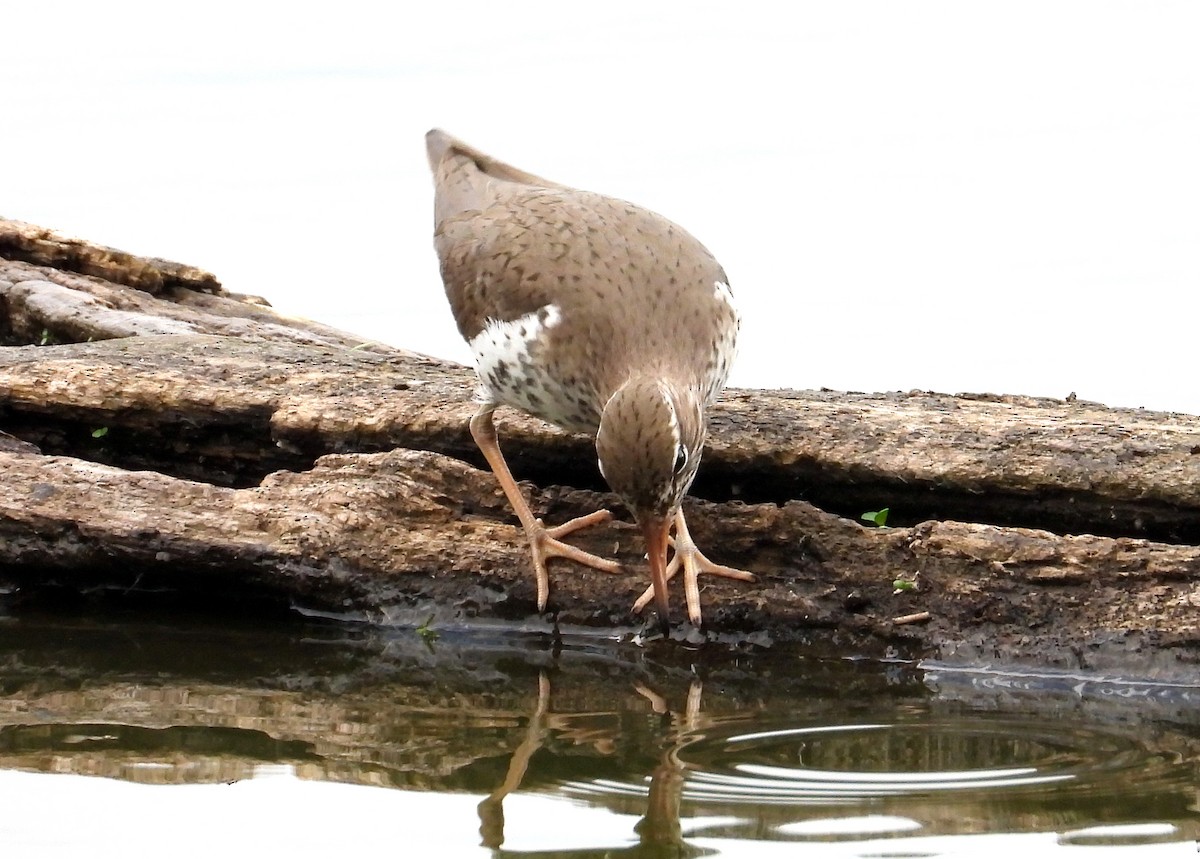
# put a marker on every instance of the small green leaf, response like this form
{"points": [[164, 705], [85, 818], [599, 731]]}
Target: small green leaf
{"points": [[904, 585], [879, 517], [426, 631], [100, 433]]}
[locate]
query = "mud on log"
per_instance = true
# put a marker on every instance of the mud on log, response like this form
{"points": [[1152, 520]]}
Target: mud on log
{"points": [[203, 444]]}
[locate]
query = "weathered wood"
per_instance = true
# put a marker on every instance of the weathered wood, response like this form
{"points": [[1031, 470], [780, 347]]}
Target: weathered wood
{"points": [[246, 453], [248, 407], [386, 536], [43, 247], [44, 305]]}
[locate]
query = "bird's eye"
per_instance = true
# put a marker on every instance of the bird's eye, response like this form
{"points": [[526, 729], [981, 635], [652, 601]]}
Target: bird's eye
{"points": [[681, 458]]}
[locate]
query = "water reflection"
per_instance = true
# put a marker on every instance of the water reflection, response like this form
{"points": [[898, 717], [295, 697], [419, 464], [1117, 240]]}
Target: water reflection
{"points": [[684, 752]]}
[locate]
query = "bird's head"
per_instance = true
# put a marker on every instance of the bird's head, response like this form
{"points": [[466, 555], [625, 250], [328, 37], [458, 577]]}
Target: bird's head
{"points": [[649, 443]]}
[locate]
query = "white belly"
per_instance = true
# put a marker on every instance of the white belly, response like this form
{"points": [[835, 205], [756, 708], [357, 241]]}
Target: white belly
{"points": [[510, 374]]}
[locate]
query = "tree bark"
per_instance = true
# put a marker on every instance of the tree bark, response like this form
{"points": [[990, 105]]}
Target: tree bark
{"points": [[204, 445]]}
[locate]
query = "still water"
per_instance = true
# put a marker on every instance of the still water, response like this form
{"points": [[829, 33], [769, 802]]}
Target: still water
{"points": [[122, 736]]}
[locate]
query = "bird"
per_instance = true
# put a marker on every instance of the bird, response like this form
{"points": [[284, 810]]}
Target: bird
{"points": [[601, 317]]}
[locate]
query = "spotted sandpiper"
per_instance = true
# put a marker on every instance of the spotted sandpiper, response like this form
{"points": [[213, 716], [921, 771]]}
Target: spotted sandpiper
{"points": [[601, 317]]}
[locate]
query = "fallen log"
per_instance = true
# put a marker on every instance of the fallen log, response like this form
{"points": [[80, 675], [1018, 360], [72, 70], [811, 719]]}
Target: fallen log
{"points": [[203, 444]]}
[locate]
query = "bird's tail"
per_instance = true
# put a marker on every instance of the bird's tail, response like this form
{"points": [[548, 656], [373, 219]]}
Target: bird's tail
{"points": [[464, 176]]}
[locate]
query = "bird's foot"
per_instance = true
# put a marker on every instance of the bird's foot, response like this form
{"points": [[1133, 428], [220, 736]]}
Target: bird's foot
{"points": [[545, 544], [693, 562]]}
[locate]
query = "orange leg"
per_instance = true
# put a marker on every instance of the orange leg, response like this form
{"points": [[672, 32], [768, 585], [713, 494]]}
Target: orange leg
{"points": [[693, 562], [543, 541], [491, 809]]}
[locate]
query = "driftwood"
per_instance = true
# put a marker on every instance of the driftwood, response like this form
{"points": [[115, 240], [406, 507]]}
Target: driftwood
{"points": [[203, 445]]}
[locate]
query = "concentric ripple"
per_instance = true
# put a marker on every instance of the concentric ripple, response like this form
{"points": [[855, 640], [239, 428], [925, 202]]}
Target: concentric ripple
{"points": [[863, 761], [968, 759]]}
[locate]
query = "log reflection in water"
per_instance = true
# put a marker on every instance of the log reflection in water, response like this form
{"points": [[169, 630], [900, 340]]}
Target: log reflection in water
{"points": [[680, 742]]}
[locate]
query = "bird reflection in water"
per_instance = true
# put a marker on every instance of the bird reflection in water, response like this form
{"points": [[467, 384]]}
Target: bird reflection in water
{"points": [[659, 831]]}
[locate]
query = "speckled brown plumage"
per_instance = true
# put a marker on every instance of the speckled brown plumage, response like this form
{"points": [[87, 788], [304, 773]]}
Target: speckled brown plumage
{"points": [[591, 313]]}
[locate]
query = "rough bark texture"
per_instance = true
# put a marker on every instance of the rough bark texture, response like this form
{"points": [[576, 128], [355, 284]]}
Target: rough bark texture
{"points": [[205, 445]]}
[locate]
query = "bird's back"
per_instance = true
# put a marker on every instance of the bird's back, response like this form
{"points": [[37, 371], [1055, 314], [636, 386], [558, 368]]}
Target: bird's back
{"points": [[611, 288]]}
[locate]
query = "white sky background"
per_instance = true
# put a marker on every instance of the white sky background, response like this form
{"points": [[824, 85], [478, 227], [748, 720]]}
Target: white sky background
{"points": [[952, 196]]}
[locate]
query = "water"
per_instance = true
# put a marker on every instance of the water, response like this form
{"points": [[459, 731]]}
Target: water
{"points": [[121, 737]]}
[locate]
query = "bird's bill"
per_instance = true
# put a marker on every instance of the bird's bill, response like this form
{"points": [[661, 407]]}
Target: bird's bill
{"points": [[656, 531]]}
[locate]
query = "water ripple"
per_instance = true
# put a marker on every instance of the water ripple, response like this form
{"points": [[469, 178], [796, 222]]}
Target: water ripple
{"points": [[980, 758], [862, 761]]}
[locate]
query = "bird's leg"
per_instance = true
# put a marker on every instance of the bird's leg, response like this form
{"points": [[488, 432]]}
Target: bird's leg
{"points": [[693, 562], [491, 809], [544, 541]]}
